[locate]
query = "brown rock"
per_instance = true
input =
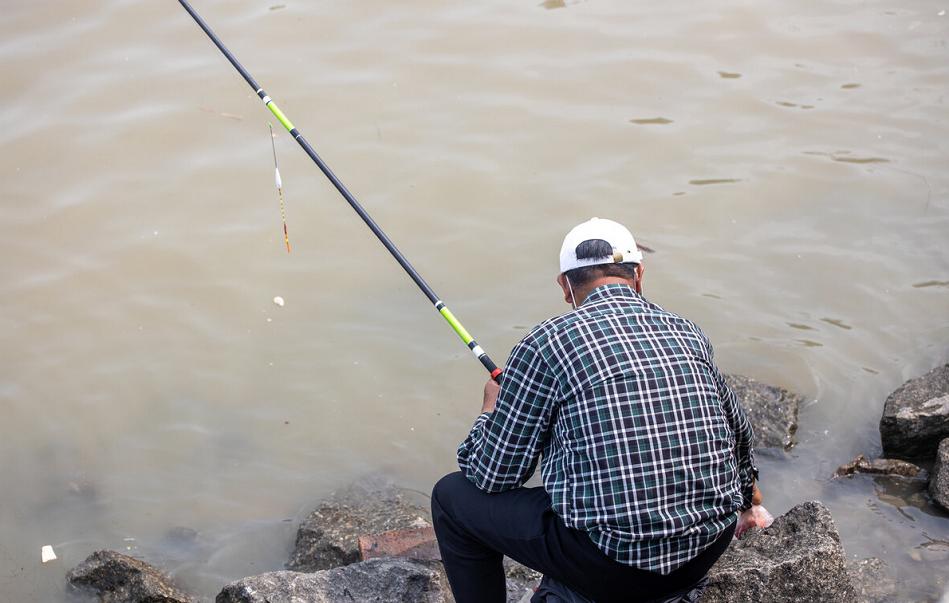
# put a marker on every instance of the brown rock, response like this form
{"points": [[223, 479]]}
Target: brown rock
{"points": [[894, 467]]}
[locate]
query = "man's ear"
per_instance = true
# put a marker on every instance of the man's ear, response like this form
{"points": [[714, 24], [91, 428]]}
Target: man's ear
{"points": [[640, 269], [562, 281]]}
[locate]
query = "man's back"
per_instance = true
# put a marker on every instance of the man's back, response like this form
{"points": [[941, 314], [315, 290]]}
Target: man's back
{"points": [[642, 446], [635, 425]]}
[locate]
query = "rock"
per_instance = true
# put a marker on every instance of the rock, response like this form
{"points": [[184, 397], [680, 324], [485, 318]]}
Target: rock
{"points": [[771, 410], [381, 580], [329, 536], [799, 558], [521, 580], [872, 581], [939, 484], [916, 416], [118, 578], [892, 467]]}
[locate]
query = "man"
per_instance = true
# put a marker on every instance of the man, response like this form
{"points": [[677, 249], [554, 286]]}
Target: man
{"points": [[646, 454]]}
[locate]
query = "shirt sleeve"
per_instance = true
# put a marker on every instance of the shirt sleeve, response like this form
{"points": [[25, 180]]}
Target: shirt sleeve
{"points": [[502, 448], [744, 439]]}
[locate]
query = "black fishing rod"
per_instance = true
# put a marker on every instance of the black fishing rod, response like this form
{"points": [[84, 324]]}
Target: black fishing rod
{"points": [[429, 293]]}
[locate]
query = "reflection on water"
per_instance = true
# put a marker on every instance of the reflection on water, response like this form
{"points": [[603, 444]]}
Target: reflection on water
{"points": [[155, 400]]}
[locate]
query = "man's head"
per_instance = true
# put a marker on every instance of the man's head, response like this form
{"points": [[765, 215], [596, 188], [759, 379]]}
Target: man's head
{"points": [[598, 252]]}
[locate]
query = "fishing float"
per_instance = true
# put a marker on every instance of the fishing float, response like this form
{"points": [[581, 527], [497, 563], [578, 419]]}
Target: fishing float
{"points": [[439, 305], [279, 182]]}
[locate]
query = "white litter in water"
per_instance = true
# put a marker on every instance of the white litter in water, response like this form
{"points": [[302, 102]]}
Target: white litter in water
{"points": [[47, 553], [941, 13], [279, 301]]}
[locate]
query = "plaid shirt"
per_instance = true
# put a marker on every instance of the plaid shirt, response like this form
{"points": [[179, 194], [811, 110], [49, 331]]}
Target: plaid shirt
{"points": [[644, 446]]}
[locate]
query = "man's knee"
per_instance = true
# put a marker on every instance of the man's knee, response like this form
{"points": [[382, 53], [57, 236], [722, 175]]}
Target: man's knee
{"points": [[448, 488]]}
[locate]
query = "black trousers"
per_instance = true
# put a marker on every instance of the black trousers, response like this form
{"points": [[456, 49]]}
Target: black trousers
{"points": [[476, 529]]}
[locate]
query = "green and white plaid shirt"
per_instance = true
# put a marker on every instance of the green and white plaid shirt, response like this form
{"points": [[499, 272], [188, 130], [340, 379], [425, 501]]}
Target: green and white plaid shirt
{"points": [[644, 446]]}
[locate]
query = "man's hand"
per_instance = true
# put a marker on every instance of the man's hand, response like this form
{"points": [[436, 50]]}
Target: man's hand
{"points": [[491, 389], [755, 517]]}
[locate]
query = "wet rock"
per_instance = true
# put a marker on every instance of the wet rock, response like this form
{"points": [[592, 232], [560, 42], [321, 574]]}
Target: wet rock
{"points": [[892, 467], [939, 484], [799, 558], [916, 416], [771, 410], [381, 580], [329, 536], [117, 578], [872, 581]]}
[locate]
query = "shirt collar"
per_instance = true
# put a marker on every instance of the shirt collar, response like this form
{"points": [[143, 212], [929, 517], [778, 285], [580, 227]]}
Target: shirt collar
{"points": [[611, 291]]}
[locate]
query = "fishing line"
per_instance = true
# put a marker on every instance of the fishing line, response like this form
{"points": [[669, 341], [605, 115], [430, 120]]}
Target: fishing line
{"points": [[279, 182], [440, 306]]}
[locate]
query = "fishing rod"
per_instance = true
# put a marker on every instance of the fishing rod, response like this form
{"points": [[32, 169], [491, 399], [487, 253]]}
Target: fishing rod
{"points": [[440, 306]]}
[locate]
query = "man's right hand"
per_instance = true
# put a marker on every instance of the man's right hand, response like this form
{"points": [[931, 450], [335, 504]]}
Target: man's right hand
{"points": [[491, 391]]}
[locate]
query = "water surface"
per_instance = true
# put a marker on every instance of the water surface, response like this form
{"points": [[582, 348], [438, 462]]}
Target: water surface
{"points": [[787, 162]]}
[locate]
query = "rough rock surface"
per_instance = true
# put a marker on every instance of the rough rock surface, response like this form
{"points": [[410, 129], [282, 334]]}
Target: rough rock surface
{"points": [[799, 558], [521, 580], [118, 578], [939, 484], [329, 536], [916, 416], [861, 464], [381, 580], [771, 410], [872, 581]]}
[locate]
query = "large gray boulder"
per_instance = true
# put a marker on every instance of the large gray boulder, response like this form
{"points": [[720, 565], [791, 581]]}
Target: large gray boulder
{"points": [[387, 580], [916, 416], [118, 578], [329, 536], [939, 484], [799, 558], [771, 410]]}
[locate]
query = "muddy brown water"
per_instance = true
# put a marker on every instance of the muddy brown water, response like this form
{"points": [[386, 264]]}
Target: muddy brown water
{"points": [[787, 161]]}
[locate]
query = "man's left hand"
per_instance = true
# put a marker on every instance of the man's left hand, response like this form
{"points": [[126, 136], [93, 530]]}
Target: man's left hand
{"points": [[491, 389]]}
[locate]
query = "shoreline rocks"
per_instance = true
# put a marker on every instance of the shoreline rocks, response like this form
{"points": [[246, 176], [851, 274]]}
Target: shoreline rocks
{"points": [[939, 484], [916, 416], [329, 536], [798, 558], [118, 578], [383, 579], [772, 411]]}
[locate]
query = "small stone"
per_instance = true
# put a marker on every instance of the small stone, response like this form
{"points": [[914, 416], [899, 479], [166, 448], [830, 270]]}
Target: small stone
{"points": [[118, 578], [916, 416], [891, 467], [939, 484]]}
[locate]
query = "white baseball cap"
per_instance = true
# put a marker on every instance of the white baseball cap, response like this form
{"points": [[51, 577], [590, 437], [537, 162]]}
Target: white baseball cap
{"points": [[614, 233]]}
